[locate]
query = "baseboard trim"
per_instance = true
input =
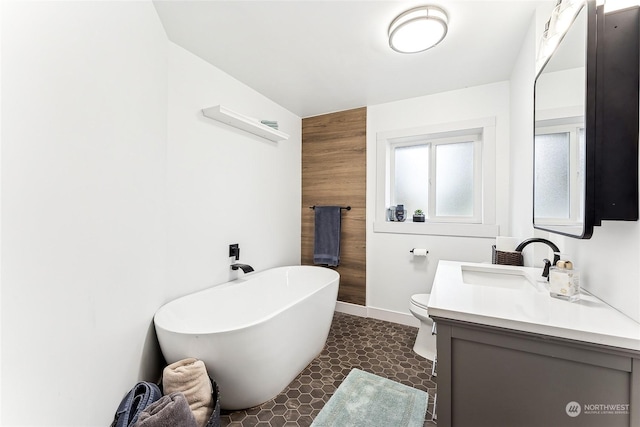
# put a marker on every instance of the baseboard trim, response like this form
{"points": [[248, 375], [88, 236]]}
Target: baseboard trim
{"points": [[348, 308], [393, 316], [377, 313]]}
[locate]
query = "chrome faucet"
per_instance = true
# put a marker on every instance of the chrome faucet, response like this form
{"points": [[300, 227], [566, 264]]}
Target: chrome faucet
{"points": [[244, 267], [547, 263]]}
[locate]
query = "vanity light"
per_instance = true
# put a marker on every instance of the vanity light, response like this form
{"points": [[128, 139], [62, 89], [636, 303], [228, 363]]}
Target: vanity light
{"points": [[418, 29], [564, 14], [556, 27]]}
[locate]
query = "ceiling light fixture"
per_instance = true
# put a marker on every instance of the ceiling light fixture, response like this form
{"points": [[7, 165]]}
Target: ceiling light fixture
{"points": [[418, 29]]}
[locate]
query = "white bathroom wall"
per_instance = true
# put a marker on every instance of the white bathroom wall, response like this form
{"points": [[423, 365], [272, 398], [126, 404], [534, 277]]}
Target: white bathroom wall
{"points": [[117, 196], [609, 260], [84, 96], [225, 185], [1, 3], [521, 156], [393, 274], [521, 177]]}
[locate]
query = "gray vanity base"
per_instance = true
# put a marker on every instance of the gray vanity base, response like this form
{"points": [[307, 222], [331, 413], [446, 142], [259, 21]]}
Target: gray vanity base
{"points": [[490, 376]]}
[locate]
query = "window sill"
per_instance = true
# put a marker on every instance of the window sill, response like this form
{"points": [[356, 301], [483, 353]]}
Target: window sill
{"points": [[437, 229]]}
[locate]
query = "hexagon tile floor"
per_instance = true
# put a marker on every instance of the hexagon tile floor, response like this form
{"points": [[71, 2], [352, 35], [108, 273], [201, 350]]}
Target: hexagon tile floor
{"points": [[372, 345]]}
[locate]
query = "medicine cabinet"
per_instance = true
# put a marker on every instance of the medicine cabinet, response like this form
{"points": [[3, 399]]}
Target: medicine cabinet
{"points": [[586, 123]]}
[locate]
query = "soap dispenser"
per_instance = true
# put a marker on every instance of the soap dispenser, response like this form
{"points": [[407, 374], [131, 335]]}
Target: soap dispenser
{"points": [[564, 281]]}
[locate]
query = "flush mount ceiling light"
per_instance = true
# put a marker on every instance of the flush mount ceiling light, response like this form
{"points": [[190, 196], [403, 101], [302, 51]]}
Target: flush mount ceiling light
{"points": [[418, 29]]}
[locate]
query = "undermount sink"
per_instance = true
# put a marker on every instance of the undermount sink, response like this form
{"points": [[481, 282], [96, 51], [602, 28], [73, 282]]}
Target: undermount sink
{"points": [[497, 277]]}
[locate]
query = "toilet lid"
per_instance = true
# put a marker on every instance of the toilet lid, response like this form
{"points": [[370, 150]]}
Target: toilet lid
{"points": [[421, 300]]}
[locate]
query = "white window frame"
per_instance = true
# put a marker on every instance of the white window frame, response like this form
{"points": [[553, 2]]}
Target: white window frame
{"points": [[483, 224], [570, 125], [433, 144]]}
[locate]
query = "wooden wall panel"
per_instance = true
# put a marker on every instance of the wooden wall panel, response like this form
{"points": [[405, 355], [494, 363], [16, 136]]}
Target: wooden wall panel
{"points": [[334, 173]]}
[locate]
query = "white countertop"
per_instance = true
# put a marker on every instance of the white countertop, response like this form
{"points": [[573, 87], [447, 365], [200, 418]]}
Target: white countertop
{"points": [[528, 307]]}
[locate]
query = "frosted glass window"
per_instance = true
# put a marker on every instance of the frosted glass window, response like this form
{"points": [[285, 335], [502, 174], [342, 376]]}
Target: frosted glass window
{"points": [[552, 178], [438, 170], [454, 179], [411, 187], [440, 176]]}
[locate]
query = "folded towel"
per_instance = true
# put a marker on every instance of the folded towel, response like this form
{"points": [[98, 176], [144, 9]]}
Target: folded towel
{"points": [[190, 377], [270, 123], [171, 410], [134, 402], [326, 245]]}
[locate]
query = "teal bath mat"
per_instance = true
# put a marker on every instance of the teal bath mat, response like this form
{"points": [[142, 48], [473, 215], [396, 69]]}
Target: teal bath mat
{"points": [[367, 400]]}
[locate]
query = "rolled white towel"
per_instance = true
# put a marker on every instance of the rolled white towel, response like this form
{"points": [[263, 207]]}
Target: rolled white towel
{"points": [[190, 377]]}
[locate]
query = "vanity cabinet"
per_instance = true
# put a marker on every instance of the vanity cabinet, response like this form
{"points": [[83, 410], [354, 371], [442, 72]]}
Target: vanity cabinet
{"points": [[493, 376]]}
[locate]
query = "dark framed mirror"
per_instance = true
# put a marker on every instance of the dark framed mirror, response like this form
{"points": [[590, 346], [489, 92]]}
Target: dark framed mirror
{"points": [[586, 119], [565, 130]]}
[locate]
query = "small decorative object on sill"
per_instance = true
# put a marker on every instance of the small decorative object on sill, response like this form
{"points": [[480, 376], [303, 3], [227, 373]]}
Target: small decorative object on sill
{"points": [[391, 213], [396, 213], [418, 216]]}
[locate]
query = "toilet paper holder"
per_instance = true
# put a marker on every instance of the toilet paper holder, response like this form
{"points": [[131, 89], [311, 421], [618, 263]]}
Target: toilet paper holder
{"points": [[417, 249]]}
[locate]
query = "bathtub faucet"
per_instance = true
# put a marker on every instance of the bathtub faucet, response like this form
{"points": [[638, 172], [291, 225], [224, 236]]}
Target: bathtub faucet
{"points": [[244, 267]]}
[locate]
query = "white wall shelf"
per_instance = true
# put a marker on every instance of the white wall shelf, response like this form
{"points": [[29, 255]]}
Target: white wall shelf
{"points": [[247, 124]]}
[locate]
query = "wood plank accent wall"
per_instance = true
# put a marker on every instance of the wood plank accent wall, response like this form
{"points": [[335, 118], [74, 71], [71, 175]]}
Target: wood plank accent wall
{"points": [[334, 173]]}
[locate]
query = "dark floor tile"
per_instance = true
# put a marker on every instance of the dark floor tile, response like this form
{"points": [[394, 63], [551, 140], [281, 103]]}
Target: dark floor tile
{"points": [[375, 346]]}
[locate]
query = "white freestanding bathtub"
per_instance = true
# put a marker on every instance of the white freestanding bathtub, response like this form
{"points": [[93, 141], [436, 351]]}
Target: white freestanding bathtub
{"points": [[254, 334]]}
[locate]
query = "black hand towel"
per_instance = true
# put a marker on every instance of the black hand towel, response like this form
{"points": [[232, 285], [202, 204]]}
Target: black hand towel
{"points": [[326, 248]]}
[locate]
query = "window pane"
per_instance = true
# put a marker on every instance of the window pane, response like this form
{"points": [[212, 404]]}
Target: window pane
{"points": [[552, 175], [412, 178], [454, 179]]}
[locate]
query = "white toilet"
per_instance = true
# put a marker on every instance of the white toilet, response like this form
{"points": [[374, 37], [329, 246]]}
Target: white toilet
{"points": [[425, 344]]}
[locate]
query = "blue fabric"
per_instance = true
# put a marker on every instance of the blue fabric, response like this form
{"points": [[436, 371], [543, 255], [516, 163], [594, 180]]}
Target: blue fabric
{"points": [[326, 247], [367, 400], [134, 402]]}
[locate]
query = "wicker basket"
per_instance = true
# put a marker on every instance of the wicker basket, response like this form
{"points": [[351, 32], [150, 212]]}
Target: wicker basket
{"points": [[215, 421], [506, 258]]}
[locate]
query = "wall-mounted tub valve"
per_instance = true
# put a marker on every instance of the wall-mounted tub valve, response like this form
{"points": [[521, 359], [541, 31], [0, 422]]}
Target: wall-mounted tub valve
{"points": [[234, 251]]}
